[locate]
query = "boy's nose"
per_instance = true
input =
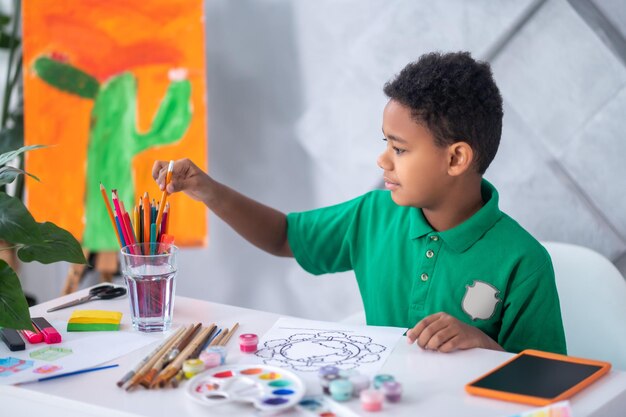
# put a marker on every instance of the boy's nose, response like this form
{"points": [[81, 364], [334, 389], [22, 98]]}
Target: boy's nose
{"points": [[383, 162]]}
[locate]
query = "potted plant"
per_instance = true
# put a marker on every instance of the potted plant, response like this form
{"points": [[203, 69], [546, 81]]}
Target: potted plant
{"points": [[22, 235], [43, 242]]}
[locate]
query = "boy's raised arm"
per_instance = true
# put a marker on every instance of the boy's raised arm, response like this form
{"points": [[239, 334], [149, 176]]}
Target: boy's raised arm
{"points": [[263, 226]]}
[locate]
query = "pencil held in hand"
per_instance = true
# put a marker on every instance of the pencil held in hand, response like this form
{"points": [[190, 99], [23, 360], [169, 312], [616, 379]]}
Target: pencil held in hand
{"points": [[168, 178]]}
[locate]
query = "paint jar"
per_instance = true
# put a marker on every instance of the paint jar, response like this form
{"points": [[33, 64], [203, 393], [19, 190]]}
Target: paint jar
{"points": [[327, 370], [340, 389], [210, 359], [360, 382], [192, 367], [371, 400], [392, 391], [380, 379], [326, 381], [248, 342], [220, 350]]}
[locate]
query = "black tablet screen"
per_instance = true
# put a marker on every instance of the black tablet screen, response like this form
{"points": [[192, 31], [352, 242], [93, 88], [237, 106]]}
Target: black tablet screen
{"points": [[536, 376]]}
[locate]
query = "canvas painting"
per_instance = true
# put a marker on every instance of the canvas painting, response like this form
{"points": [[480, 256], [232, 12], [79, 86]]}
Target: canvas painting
{"points": [[111, 86]]}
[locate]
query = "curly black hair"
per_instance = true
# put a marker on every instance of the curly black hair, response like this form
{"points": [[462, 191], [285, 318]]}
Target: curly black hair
{"points": [[456, 97]]}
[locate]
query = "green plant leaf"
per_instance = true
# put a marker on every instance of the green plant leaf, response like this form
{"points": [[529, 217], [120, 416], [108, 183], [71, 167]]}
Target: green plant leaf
{"points": [[4, 19], [66, 77], [17, 225], [11, 138], [9, 156], [14, 312], [8, 174], [57, 245], [7, 41]]}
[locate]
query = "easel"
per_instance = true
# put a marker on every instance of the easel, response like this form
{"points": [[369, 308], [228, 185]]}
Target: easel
{"points": [[105, 264]]}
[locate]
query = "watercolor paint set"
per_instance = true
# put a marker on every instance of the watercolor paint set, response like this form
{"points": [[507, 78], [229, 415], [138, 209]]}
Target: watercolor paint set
{"points": [[266, 388]]}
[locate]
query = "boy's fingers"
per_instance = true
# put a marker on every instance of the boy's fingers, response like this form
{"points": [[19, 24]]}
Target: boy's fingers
{"points": [[440, 337], [431, 331], [157, 167], [451, 344], [414, 333]]}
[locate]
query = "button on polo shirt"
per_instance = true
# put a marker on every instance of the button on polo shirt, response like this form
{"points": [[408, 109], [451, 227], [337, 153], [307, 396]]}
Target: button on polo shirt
{"points": [[487, 271]]}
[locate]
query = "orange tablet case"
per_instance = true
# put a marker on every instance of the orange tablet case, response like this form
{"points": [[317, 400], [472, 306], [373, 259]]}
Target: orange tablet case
{"points": [[604, 367]]}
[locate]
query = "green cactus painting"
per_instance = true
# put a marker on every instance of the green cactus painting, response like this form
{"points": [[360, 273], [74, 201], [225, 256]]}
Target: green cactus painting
{"points": [[113, 137]]}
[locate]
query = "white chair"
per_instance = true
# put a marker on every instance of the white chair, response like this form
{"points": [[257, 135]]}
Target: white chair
{"points": [[592, 293]]}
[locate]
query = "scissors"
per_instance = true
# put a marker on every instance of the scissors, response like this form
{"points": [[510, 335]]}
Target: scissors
{"points": [[103, 292]]}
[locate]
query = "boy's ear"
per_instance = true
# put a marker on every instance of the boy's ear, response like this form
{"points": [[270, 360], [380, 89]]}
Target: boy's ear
{"points": [[460, 158]]}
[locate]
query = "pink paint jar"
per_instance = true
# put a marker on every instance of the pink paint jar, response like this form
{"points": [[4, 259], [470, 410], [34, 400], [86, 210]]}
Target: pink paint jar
{"points": [[248, 342], [371, 400]]}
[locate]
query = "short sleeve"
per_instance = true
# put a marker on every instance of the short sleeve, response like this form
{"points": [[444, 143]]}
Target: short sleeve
{"points": [[323, 240], [532, 315]]}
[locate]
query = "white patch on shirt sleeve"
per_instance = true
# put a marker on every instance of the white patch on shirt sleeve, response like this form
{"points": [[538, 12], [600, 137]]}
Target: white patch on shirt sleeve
{"points": [[480, 300]]}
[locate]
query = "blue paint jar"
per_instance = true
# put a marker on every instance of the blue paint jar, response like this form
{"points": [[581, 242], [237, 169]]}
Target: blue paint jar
{"points": [[341, 389], [379, 380]]}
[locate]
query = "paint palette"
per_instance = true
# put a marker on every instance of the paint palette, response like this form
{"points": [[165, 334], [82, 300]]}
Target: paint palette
{"points": [[267, 388]]}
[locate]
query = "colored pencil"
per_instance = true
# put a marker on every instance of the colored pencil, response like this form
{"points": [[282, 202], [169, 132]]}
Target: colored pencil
{"points": [[120, 216], [110, 211], [81, 371], [217, 339], [162, 228], [168, 178], [153, 238], [146, 223], [167, 219], [136, 224], [119, 230]]}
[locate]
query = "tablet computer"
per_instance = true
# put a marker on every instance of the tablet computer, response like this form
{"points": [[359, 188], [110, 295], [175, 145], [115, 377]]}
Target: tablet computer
{"points": [[538, 378]]}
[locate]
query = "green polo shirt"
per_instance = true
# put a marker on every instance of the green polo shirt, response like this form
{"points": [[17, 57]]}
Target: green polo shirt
{"points": [[487, 272]]}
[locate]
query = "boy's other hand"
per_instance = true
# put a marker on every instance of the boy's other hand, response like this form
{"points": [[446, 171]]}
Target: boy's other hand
{"points": [[444, 333], [186, 177]]}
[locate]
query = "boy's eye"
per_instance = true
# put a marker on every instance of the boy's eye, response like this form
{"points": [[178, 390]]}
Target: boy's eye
{"points": [[397, 151]]}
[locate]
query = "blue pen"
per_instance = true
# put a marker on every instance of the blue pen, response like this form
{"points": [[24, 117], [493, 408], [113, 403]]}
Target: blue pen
{"points": [[81, 371]]}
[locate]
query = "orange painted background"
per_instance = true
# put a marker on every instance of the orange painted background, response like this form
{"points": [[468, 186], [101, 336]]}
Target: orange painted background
{"points": [[104, 38]]}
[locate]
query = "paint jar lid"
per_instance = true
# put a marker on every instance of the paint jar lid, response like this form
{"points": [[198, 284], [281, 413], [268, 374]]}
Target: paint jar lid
{"points": [[220, 350], [248, 339], [371, 396], [210, 359], [379, 380], [327, 379], [360, 381], [340, 387], [192, 366], [392, 388], [328, 370], [347, 373]]}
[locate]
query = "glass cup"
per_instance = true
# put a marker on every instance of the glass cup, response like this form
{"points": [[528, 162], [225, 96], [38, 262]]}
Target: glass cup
{"points": [[150, 279]]}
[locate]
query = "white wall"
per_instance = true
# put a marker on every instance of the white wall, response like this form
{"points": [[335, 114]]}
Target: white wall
{"points": [[295, 102]]}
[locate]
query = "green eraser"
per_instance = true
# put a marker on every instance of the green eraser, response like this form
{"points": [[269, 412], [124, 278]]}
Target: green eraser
{"points": [[92, 327]]}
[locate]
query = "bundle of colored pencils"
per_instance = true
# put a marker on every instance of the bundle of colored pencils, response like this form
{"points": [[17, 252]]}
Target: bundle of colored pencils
{"points": [[150, 223]]}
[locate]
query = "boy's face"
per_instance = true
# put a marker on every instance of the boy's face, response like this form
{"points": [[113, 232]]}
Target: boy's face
{"points": [[415, 169]]}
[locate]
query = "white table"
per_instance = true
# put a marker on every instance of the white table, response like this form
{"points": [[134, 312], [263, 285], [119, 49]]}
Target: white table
{"points": [[433, 382]]}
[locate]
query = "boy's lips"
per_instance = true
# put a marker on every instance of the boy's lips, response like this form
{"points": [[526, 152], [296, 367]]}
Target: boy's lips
{"points": [[390, 185]]}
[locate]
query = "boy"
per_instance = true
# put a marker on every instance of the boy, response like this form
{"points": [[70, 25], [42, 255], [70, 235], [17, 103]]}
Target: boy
{"points": [[433, 252]]}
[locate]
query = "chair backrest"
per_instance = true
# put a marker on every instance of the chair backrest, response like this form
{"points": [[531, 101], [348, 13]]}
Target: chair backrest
{"points": [[592, 293]]}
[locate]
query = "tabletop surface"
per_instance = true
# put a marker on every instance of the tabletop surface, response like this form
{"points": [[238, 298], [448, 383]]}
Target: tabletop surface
{"points": [[433, 382]]}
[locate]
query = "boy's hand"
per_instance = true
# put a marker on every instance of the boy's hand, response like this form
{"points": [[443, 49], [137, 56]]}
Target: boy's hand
{"points": [[186, 177], [444, 333]]}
